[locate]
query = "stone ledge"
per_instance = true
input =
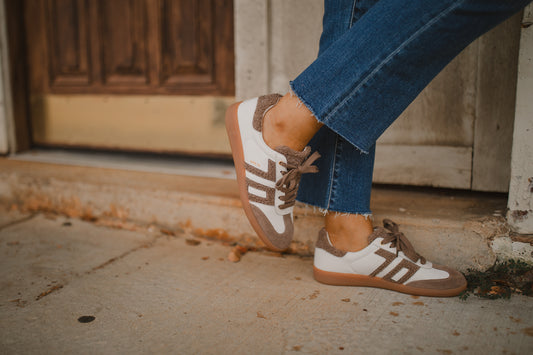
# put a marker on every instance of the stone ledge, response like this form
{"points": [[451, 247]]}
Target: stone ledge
{"points": [[448, 227]]}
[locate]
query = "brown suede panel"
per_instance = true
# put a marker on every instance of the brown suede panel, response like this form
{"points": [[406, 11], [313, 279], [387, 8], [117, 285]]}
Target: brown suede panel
{"points": [[323, 243], [454, 281], [263, 104], [404, 264], [269, 175], [294, 157], [389, 258], [279, 240], [379, 232], [270, 193]]}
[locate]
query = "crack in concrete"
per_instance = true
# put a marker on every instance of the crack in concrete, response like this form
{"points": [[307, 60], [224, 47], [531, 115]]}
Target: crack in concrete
{"points": [[13, 223], [55, 288], [123, 255], [49, 291]]}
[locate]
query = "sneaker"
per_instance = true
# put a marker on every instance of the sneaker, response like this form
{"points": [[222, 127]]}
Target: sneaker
{"points": [[268, 178], [389, 261]]}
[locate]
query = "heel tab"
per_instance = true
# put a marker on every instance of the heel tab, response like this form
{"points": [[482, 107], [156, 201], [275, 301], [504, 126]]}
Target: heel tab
{"points": [[323, 242], [264, 103]]}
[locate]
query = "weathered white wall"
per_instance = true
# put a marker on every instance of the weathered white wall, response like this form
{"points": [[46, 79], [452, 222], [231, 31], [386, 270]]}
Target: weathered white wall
{"points": [[274, 41], [520, 214], [252, 45]]}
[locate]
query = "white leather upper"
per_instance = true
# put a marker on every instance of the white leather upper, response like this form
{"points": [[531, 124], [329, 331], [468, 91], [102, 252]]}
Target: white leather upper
{"points": [[257, 153], [365, 261]]}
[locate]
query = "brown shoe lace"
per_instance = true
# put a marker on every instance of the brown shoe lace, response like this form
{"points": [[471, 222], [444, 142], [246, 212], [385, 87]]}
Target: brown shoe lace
{"points": [[399, 241], [289, 182]]}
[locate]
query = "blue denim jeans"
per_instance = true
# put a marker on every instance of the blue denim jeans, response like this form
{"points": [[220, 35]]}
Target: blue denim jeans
{"points": [[375, 57]]}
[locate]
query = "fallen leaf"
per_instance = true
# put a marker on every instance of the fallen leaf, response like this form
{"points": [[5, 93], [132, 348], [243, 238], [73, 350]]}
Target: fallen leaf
{"points": [[260, 315], [236, 253], [345, 300], [234, 256], [192, 242], [314, 295], [167, 232], [205, 258], [395, 314]]}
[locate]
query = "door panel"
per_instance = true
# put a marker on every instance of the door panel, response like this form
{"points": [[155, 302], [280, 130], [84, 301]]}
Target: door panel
{"points": [[189, 58], [68, 42], [124, 42], [131, 46]]}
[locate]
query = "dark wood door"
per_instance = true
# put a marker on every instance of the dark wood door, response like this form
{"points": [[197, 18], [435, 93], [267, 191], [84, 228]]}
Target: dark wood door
{"points": [[91, 61], [131, 46]]}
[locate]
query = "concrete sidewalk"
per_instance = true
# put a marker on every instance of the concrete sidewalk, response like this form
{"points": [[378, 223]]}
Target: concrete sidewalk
{"points": [[151, 292]]}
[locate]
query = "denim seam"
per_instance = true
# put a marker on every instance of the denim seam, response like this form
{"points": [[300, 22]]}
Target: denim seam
{"points": [[333, 185], [353, 13], [332, 176], [351, 93]]}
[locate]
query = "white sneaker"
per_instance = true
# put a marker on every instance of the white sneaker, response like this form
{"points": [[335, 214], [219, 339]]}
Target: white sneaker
{"points": [[389, 261], [268, 178]]}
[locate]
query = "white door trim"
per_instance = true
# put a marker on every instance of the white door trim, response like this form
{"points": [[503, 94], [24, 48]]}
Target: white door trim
{"points": [[520, 204]]}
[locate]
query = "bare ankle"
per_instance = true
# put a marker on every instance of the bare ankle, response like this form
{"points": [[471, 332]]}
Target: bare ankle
{"points": [[289, 123], [348, 232]]}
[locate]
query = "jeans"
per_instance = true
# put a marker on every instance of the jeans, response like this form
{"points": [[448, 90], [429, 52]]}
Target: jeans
{"points": [[375, 57]]}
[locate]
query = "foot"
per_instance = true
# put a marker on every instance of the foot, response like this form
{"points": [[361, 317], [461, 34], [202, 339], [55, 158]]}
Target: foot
{"points": [[389, 261], [268, 178]]}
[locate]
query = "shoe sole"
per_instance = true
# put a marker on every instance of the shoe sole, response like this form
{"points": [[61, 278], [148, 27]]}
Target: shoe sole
{"points": [[340, 279], [234, 135]]}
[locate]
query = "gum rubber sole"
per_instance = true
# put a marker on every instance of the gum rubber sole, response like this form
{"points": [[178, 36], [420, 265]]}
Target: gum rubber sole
{"points": [[234, 135], [340, 279]]}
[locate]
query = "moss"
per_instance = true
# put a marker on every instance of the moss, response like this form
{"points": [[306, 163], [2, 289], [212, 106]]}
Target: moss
{"points": [[500, 281]]}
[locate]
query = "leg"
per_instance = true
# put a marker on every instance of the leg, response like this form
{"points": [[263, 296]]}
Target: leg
{"points": [[390, 55], [343, 170], [384, 55]]}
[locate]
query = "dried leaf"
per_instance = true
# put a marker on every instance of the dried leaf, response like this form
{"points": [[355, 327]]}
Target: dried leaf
{"points": [[260, 315], [234, 256]]}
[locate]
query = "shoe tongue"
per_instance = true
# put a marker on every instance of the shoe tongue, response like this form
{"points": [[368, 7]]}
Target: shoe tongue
{"points": [[293, 157], [379, 232]]}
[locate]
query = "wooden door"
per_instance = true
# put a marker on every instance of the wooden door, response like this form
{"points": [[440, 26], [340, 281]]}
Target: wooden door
{"points": [[130, 74]]}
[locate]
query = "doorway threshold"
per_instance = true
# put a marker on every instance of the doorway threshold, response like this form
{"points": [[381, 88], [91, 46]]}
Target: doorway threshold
{"points": [[152, 163]]}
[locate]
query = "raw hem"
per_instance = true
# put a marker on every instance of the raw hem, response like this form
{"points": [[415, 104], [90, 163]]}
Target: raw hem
{"points": [[324, 211], [313, 113]]}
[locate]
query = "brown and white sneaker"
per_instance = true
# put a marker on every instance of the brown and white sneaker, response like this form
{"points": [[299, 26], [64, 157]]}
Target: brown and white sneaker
{"points": [[389, 261], [268, 178]]}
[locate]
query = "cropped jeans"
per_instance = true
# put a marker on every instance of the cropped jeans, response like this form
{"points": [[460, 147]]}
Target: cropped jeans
{"points": [[375, 57]]}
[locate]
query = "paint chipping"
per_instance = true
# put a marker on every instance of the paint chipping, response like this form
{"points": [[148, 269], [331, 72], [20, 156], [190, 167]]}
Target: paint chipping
{"points": [[519, 215]]}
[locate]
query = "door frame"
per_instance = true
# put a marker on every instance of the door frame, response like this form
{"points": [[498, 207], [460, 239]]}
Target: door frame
{"points": [[14, 77]]}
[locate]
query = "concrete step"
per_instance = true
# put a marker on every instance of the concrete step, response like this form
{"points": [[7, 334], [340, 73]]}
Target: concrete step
{"points": [[150, 293], [456, 228]]}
